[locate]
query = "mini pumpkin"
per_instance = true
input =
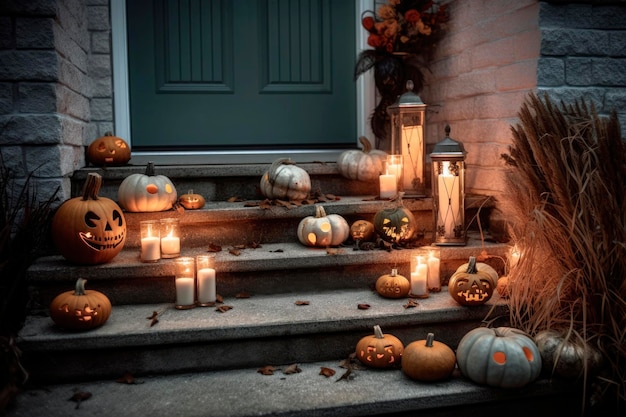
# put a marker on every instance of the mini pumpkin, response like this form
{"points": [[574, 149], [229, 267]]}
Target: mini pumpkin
{"points": [[393, 285], [191, 200], [362, 230], [323, 230], [502, 357], [396, 224], [565, 357], [89, 229], [108, 150], [362, 165], [285, 181], [147, 192], [80, 309], [428, 360], [380, 350], [473, 283]]}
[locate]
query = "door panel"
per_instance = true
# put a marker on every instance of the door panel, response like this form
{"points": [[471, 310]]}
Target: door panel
{"points": [[241, 74]]}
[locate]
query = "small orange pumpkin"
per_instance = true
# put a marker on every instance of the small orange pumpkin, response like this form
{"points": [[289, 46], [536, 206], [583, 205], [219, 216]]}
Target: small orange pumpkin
{"points": [[380, 350], [473, 283], [362, 230], [191, 200], [80, 309], [108, 150], [393, 285], [428, 360]]}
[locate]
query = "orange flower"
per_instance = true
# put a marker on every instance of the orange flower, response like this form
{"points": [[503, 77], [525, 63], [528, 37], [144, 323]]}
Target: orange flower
{"points": [[375, 41], [412, 16], [368, 23]]}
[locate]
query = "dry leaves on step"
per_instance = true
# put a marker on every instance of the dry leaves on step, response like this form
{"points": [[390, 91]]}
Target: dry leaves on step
{"points": [[266, 370], [363, 306], [79, 397], [214, 248], [302, 303], [128, 379], [327, 372], [234, 251], [411, 303], [292, 369], [334, 251], [234, 199], [223, 309], [242, 294]]}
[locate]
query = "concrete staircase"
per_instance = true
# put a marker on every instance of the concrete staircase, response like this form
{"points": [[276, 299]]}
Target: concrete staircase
{"points": [[204, 362]]}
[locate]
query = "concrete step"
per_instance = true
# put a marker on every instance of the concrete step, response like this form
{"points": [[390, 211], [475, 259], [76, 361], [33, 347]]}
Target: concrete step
{"points": [[246, 393], [260, 330]]}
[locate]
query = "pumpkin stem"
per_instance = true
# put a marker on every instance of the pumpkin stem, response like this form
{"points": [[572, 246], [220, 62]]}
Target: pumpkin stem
{"points": [[320, 212], [378, 332], [271, 173], [394, 272], [367, 146], [108, 133], [79, 289], [92, 186], [430, 338], [150, 169], [471, 265]]}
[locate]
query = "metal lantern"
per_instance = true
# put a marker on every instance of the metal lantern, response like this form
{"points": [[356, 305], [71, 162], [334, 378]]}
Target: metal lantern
{"points": [[408, 127], [448, 185]]}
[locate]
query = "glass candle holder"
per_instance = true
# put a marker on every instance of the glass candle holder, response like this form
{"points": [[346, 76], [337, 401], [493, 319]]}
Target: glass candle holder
{"points": [[170, 238], [185, 282], [419, 277], [205, 273], [394, 166], [150, 241]]}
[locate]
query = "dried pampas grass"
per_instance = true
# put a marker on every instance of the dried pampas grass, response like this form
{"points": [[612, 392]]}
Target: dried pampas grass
{"points": [[567, 182]]}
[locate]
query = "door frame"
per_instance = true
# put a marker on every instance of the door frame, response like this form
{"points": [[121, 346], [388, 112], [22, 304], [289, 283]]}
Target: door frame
{"points": [[365, 102]]}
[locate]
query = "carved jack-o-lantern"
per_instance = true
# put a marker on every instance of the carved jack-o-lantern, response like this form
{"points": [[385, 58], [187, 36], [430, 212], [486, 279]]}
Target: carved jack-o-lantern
{"points": [[80, 309], [380, 350], [393, 285], [396, 225], [473, 283], [191, 200], [147, 192], [108, 150], [89, 229], [362, 230]]}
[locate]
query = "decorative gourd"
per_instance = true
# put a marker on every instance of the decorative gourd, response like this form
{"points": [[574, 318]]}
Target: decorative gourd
{"points": [[80, 309], [191, 200], [566, 358], [323, 230], [473, 283], [147, 192], [393, 285], [362, 165], [380, 350], [428, 360], [396, 225], [108, 150], [362, 230], [503, 357], [502, 286], [89, 230], [285, 181]]}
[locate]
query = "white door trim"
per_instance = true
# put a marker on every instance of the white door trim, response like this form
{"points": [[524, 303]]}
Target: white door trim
{"points": [[365, 102]]}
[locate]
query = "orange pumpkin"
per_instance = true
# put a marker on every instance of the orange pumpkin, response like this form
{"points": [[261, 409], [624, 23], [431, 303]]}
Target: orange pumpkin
{"points": [[191, 200], [362, 230], [108, 150], [473, 283], [147, 192], [89, 229], [80, 309], [380, 350], [393, 285], [428, 360]]}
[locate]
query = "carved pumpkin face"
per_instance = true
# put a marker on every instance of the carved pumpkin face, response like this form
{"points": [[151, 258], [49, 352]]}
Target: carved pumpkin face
{"points": [[393, 285], [80, 309], [473, 283], [108, 150], [191, 201], [323, 230], [89, 229], [362, 230], [380, 350], [396, 225]]}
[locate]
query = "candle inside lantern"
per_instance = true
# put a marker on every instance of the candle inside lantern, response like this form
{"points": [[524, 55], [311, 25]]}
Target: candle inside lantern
{"points": [[419, 277], [388, 186], [434, 282], [150, 241], [206, 280], [393, 166], [514, 256], [449, 199], [185, 283], [170, 240]]}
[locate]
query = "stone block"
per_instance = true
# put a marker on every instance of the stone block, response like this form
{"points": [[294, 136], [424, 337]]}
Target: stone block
{"points": [[7, 40], [102, 109], [608, 17], [6, 98], [493, 54], [73, 104], [37, 97], [73, 14], [98, 18], [21, 129], [73, 131], [517, 76], [102, 87], [527, 45], [28, 65], [43, 161], [609, 71], [74, 78], [13, 161], [100, 42], [499, 105], [55, 189], [550, 72], [574, 42], [72, 51], [570, 95], [31, 7], [99, 66], [617, 44], [34, 33], [579, 71], [615, 99]]}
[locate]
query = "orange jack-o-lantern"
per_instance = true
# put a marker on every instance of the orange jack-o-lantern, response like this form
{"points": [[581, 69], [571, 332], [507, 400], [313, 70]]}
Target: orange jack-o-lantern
{"points": [[393, 285], [380, 350], [473, 283], [89, 229], [362, 230], [147, 192], [191, 200], [80, 309], [108, 150], [396, 225]]}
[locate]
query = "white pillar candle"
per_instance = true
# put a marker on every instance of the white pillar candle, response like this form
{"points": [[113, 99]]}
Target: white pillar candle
{"points": [[184, 291], [449, 200], [185, 280], [419, 278], [170, 246], [434, 282], [206, 286], [150, 249], [388, 186]]}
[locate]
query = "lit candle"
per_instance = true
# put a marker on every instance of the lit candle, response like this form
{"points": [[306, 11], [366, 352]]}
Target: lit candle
{"points": [[448, 199], [514, 255], [388, 186], [419, 278], [170, 240], [185, 283], [434, 283], [206, 280], [393, 166], [150, 242]]}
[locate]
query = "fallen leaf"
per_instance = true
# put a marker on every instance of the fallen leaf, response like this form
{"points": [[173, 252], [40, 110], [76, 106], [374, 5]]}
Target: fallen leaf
{"points": [[251, 204], [346, 375], [154, 314], [411, 303], [79, 397], [283, 203], [153, 321], [214, 248], [242, 294], [266, 370], [332, 197], [265, 204], [277, 251], [334, 251], [255, 245], [234, 199], [179, 208], [363, 306], [223, 309], [219, 299], [483, 256], [129, 379], [302, 303], [327, 372], [292, 369], [234, 251], [241, 247]]}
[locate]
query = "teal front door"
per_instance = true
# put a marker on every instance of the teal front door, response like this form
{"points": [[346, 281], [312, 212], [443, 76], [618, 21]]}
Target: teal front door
{"points": [[241, 74]]}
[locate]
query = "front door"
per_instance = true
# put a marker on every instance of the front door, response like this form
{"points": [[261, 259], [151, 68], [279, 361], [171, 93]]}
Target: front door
{"points": [[241, 74]]}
